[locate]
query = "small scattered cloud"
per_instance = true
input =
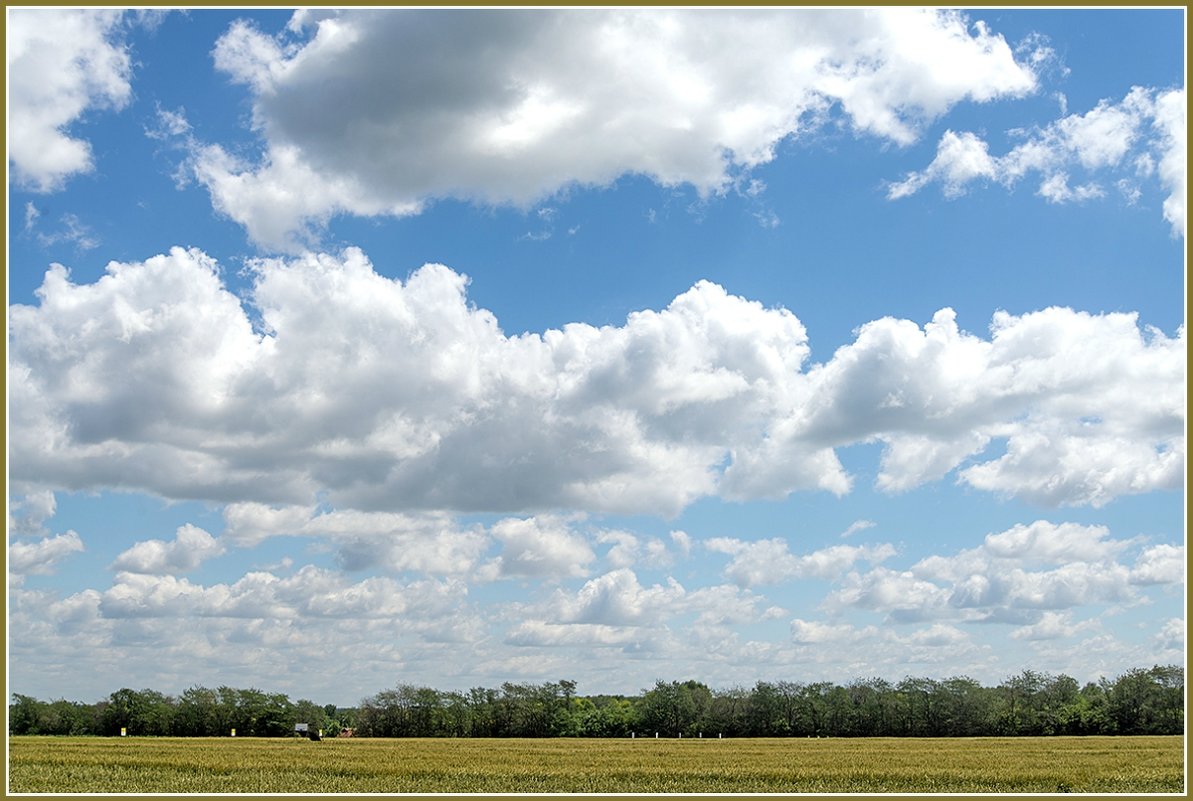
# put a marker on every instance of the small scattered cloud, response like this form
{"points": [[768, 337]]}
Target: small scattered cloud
{"points": [[1171, 125], [1056, 189], [1129, 190], [310, 592], [1054, 626], [627, 549], [33, 550], [41, 557], [909, 647], [1033, 575], [71, 231], [1171, 636], [767, 219], [28, 514], [170, 126], [960, 159], [1160, 564], [770, 561], [539, 547], [190, 547], [1146, 127], [617, 598], [856, 526], [683, 543]]}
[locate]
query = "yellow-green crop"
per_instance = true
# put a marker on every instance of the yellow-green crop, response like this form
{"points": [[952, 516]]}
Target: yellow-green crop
{"points": [[993, 765]]}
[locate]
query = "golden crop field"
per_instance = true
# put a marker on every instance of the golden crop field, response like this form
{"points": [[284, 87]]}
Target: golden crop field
{"points": [[979, 765]]}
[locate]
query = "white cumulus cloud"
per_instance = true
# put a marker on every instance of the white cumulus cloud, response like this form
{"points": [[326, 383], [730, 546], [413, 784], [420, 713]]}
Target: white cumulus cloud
{"points": [[617, 598], [41, 557], [61, 63], [190, 548], [534, 101], [1160, 564], [1090, 407], [539, 547], [389, 395]]}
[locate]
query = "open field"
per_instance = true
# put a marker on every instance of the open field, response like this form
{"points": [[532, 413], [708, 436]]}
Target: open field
{"points": [[993, 765]]}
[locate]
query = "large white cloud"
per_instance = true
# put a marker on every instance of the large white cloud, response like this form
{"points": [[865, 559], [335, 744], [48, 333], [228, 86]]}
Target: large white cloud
{"points": [[61, 63], [1091, 407], [513, 105], [390, 394], [396, 395], [1145, 132]]}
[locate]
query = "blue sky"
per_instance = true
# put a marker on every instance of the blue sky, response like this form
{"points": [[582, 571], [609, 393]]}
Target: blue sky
{"points": [[454, 348]]}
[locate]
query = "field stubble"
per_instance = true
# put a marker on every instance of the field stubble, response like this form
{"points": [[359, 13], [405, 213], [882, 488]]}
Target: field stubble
{"points": [[978, 765]]}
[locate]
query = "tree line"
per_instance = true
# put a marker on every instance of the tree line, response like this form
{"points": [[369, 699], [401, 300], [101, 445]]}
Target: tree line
{"points": [[1140, 701]]}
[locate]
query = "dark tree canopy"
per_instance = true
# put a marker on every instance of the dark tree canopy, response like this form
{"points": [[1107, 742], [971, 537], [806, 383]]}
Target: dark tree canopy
{"points": [[1141, 701]]}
